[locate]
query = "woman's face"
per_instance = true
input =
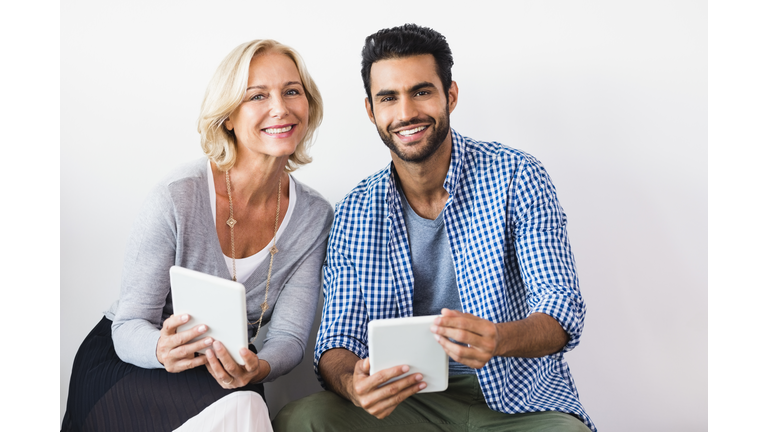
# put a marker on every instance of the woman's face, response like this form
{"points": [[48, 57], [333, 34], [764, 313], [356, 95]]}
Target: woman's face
{"points": [[272, 119]]}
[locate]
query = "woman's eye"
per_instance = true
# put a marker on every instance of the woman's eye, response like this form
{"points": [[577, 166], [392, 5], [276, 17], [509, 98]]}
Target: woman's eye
{"points": [[257, 97], [292, 92]]}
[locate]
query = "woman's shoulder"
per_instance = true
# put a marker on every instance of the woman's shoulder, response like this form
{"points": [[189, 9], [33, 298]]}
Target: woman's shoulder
{"points": [[190, 171], [184, 183], [313, 203]]}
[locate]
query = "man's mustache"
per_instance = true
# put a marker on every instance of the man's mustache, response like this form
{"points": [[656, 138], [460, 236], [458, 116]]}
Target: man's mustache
{"points": [[414, 121]]}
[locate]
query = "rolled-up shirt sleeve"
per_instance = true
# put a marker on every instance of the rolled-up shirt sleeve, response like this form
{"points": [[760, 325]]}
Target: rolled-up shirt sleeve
{"points": [[543, 250]]}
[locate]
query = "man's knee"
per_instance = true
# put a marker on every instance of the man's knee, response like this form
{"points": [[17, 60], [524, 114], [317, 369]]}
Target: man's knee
{"points": [[316, 412]]}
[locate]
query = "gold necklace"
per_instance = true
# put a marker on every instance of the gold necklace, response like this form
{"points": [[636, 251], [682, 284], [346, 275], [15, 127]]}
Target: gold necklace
{"points": [[272, 251]]}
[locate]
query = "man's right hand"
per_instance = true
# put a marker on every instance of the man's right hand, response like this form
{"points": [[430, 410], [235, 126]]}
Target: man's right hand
{"points": [[367, 392]]}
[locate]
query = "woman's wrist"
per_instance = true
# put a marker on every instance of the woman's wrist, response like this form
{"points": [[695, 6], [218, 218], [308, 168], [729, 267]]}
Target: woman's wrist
{"points": [[262, 373]]}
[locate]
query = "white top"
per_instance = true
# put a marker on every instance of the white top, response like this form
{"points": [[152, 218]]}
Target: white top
{"points": [[246, 266]]}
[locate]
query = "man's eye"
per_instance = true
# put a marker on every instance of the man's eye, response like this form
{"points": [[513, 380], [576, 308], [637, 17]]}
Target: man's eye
{"points": [[422, 93], [387, 99]]}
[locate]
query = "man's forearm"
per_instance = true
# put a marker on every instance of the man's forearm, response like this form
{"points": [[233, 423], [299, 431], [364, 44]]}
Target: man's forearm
{"points": [[537, 335], [336, 367]]}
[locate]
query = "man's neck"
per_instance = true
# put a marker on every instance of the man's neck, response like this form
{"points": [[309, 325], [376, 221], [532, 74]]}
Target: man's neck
{"points": [[422, 182]]}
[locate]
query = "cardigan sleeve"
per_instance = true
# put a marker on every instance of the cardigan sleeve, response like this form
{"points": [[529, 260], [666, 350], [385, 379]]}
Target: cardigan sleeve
{"points": [[145, 284]]}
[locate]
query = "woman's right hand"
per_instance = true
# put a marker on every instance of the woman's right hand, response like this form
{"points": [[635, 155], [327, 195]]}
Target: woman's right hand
{"points": [[174, 351]]}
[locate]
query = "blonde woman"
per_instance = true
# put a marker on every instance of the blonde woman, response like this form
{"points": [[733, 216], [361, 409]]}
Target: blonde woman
{"points": [[238, 214]]}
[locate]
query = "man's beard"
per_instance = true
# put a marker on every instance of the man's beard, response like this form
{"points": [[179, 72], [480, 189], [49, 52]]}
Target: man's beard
{"points": [[440, 131]]}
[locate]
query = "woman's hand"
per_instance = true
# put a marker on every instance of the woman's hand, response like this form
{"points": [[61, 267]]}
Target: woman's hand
{"points": [[228, 373], [173, 348]]}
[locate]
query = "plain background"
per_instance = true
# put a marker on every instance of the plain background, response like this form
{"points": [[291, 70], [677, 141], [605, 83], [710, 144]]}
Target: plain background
{"points": [[610, 96]]}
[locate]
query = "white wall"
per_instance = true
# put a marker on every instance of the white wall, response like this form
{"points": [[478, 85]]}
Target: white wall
{"points": [[610, 96]]}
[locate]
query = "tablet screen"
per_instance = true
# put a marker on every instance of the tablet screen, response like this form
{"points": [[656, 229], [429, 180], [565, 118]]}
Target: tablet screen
{"points": [[213, 301], [408, 341]]}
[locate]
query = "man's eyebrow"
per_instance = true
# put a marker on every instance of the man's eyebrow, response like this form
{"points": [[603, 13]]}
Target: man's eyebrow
{"points": [[422, 85], [419, 86]]}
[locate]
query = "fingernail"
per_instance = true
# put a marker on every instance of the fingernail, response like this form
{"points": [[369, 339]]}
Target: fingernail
{"points": [[184, 318], [433, 329], [217, 345], [201, 329], [209, 341], [406, 368], [419, 377], [422, 386], [437, 337]]}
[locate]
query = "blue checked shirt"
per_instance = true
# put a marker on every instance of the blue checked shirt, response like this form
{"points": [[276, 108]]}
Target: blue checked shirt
{"points": [[512, 258]]}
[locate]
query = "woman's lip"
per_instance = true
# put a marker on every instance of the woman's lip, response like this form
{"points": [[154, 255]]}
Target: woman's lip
{"points": [[279, 126], [279, 132]]}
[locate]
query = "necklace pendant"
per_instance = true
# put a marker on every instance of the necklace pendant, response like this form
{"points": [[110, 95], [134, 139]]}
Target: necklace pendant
{"points": [[231, 222], [273, 250], [264, 307]]}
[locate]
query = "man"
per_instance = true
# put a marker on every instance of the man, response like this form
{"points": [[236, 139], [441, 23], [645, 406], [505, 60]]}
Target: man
{"points": [[467, 229]]}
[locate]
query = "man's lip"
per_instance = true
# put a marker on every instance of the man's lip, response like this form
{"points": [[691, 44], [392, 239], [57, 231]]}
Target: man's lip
{"points": [[412, 126]]}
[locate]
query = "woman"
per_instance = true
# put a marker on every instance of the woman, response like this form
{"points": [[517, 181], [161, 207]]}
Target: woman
{"points": [[236, 214]]}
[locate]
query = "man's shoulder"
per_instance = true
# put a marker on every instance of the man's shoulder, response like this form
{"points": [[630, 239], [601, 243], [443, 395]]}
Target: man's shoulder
{"points": [[494, 149], [369, 191]]}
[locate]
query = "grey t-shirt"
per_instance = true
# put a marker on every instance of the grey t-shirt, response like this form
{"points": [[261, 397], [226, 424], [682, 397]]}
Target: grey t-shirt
{"points": [[434, 276]]}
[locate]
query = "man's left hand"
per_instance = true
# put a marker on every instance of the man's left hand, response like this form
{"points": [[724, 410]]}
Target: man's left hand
{"points": [[479, 336]]}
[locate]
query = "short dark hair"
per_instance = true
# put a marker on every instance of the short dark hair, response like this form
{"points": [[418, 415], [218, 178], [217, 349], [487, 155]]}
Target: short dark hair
{"points": [[405, 41]]}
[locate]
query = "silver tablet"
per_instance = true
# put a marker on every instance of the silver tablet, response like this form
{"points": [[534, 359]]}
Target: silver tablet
{"points": [[408, 341], [213, 301]]}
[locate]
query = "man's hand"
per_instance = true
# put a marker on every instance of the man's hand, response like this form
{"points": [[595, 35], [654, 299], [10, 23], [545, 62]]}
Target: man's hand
{"points": [[479, 337], [368, 393], [537, 335], [350, 377]]}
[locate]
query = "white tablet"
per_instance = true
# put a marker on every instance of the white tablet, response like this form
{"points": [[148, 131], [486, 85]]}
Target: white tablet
{"points": [[218, 303], [408, 341]]}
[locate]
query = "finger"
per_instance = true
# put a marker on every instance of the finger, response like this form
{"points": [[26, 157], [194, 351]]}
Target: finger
{"points": [[382, 376], [173, 321], [181, 338], [191, 363], [469, 356], [459, 320], [251, 360], [188, 350], [452, 313], [216, 369], [466, 337], [387, 398], [226, 360]]}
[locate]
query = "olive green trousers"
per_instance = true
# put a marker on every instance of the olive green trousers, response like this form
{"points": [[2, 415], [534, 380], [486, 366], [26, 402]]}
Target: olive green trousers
{"points": [[459, 408]]}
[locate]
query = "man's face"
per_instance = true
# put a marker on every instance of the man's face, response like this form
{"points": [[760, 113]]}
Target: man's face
{"points": [[409, 107]]}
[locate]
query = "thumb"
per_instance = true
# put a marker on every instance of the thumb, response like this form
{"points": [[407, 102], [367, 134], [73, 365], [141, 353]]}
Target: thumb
{"points": [[364, 366]]}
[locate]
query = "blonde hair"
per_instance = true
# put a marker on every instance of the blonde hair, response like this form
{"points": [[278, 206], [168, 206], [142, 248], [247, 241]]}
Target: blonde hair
{"points": [[226, 91]]}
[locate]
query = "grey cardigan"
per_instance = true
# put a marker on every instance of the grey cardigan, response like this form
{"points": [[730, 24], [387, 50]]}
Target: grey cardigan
{"points": [[176, 227]]}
